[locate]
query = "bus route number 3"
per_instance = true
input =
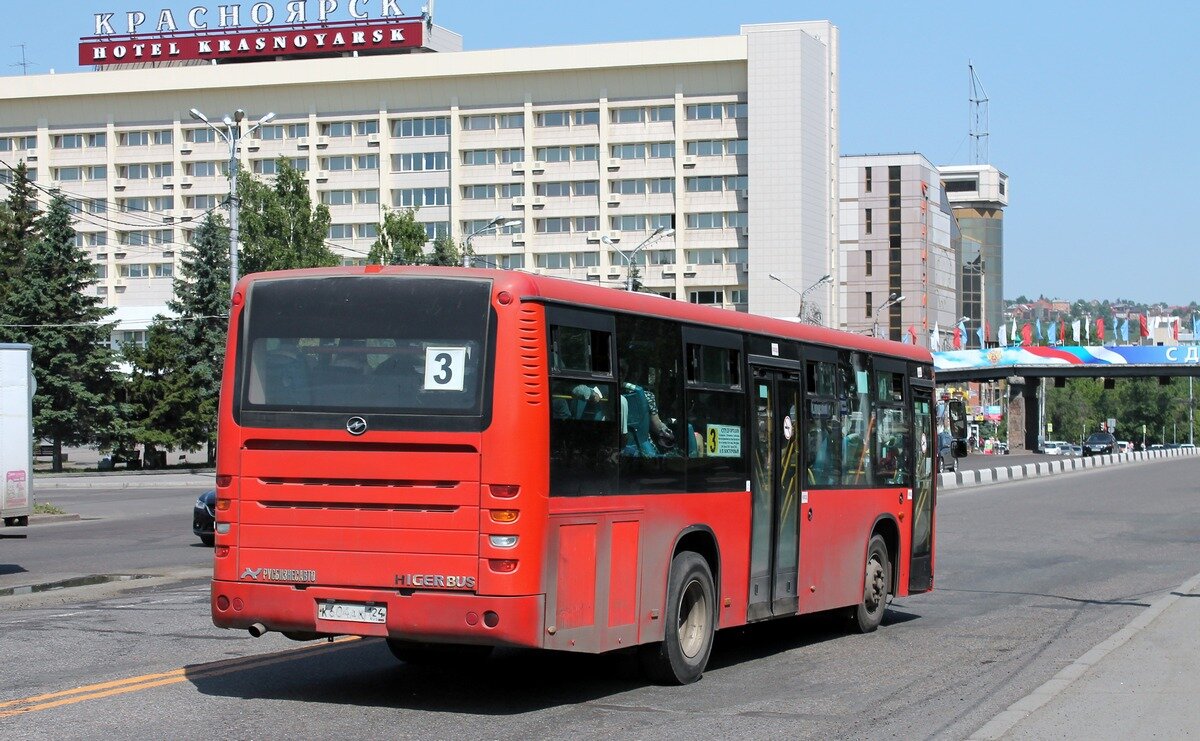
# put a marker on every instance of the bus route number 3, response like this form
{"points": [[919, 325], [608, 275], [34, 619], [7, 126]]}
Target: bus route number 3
{"points": [[444, 368]]}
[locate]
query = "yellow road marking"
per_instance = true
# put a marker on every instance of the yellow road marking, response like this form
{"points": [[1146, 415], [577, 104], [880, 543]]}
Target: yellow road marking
{"points": [[148, 681]]}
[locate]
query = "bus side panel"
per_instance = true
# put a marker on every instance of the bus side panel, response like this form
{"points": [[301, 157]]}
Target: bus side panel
{"points": [[608, 560], [833, 542]]}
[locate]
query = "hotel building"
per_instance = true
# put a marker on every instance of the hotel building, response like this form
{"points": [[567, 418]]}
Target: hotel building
{"points": [[730, 141]]}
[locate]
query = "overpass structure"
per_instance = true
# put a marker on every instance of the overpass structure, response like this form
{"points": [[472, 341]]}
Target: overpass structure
{"points": [[1023, 367]]}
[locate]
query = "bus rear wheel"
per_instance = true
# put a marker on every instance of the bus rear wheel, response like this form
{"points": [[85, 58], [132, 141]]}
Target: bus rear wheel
{"points": [[876, 587], [690, 624], [413, 652]]}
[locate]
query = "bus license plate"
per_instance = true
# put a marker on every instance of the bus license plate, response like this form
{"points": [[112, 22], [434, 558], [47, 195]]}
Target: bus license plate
{"points": [[351, 612]]}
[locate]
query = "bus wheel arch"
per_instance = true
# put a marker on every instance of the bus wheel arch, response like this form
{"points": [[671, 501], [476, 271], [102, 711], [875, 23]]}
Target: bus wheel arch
{"points": [[690, 611], [879, 575]]}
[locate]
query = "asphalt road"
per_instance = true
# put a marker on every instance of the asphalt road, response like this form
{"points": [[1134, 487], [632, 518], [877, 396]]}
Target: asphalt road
{"points": [[1030, 575]]}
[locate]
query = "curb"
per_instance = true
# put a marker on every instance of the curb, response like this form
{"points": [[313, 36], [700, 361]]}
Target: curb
{"points": [[965, 479], [46, 519], [1007, 719], [43, 485]]}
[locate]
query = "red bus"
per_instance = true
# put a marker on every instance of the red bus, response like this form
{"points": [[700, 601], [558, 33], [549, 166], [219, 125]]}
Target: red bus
{"points": [[453, 458]]}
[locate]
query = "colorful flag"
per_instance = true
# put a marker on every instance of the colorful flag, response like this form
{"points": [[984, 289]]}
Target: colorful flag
{"points": [[1052, 333], [1175, 329], [910, 338], [987, 329], [1027, 334], [1143, 326], [979, 334], [1075, 331], [1100, 330], [1003, 335], [1125, 331], [1039, 329], [956, 343], [1087, 325], [937, 337]]}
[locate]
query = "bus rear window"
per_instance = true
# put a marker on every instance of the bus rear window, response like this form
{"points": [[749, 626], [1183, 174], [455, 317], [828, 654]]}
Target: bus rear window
{"points": [[378, 344]]}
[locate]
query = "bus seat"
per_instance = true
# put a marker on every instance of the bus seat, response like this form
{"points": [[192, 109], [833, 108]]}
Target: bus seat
{"points": [[638, 443]]}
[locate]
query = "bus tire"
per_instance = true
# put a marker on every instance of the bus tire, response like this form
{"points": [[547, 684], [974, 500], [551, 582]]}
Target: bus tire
{"points": [[690, 621], [426, 654], [876, 587]]}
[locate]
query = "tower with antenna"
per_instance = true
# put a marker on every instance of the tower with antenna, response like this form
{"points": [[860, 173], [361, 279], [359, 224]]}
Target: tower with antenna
{"points": [[978, 118]]}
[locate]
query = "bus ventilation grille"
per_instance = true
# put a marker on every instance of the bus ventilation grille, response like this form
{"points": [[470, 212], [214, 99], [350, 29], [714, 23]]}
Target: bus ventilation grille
{"points": [[533, 360]]}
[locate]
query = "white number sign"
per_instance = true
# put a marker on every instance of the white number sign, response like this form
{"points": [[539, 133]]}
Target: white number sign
{"points": [[444, 368]]}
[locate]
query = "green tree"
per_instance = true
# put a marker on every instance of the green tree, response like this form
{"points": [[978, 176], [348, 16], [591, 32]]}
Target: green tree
{"points": [[18, 226], [445, 252], [52, 307], [157, 392], [280, 227], [401, 240], [201, 305]]}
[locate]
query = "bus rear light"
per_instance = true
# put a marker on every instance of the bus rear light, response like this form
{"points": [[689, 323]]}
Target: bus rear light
{"points": [[502, 565], [502, 541], [222, 505], [504, 515], [221, 551], [491, 619], [222, 528], [504, 491], [504, 298], [222, 602], [224, 480]]}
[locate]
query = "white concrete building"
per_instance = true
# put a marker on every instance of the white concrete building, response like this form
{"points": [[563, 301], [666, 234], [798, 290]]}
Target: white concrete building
{"points": [[731, 141]]}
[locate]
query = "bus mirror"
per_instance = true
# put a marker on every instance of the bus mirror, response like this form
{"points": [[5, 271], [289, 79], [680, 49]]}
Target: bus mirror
{"points": [[957, 412]]}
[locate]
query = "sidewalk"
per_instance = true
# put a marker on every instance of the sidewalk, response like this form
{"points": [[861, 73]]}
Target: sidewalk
{"points": [[151, 479], [1142, 682]]}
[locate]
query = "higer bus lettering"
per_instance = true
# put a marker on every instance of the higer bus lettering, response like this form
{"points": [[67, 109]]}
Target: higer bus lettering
{"points": [[435, 581], [230, 15]]}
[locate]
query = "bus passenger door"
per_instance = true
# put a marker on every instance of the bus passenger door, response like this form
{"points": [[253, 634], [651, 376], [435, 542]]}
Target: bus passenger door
{"points": [[775, 491], [920, 573]]}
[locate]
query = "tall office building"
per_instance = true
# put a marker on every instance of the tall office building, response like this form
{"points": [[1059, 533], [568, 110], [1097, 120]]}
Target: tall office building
{"points": [[731, 141], [978, 195], [896, 237]]}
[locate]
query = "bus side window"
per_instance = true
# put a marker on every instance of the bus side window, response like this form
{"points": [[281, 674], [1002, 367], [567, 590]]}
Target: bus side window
{"points": [[823, 452], [893, 441], [585, 411]]}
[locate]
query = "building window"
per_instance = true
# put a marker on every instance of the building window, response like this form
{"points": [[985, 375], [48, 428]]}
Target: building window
{"points": [[867, 184], [431, 126], [553, 118], [662, 150], [412, 197], [868, 254], [509, 156], [512, 120], [869, 304], [339, 129], [366, 128], [868, 224], [961, 186], [587, 153], [341, 231], [706, 297], [473, 157], [587, 118]]}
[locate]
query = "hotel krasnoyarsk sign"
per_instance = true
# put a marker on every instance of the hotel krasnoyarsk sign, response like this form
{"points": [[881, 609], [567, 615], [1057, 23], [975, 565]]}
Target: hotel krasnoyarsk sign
{"points": [[245, 31]]}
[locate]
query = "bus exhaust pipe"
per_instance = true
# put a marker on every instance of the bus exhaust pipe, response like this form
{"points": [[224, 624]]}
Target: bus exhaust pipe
{"points": [[258, 630]]}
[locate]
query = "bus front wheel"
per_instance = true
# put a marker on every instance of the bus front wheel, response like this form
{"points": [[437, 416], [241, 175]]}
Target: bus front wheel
{"points": [[690, 624], [876, 587]]}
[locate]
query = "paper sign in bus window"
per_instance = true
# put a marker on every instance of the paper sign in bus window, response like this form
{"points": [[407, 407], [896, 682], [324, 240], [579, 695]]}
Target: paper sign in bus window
{"points": [[444, 368], [724, 441]]}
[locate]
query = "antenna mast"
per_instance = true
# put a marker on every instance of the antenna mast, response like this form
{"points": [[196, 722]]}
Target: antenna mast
{"points": [[978, 119], [24, 64]]}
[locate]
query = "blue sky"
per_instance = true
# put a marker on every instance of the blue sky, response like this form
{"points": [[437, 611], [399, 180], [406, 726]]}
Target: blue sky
{"points": [[1093, 106]]}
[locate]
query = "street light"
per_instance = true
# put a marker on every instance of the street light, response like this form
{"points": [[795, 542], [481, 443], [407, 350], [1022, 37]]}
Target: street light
{"points": [[231, 135], [659, 233], [497, 223], [827, 278], [892, 300]]}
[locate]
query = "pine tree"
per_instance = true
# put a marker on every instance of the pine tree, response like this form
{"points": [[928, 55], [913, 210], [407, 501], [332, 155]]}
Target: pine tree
{"points": [[445, 252], [158, 391], [201, 305], [280, 228], [401, 240], [52, 307], [18, 226]]}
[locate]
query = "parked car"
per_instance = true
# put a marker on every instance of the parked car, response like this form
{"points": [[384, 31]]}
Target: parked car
{"points": [[1100, 443], [1000, 449], [204, 517], [1186, 446], [1075, 450], [946, 459], [1124, 446], [1053, 447]]}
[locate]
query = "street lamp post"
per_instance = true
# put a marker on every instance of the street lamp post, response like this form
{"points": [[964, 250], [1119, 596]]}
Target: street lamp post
{"points": [[827, 278], [232, 135], [662, 231], [497, 223], [892, 300]]}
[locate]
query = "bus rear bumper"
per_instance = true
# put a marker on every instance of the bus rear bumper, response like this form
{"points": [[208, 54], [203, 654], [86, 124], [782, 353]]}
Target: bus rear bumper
{"points": [[442, 617]]}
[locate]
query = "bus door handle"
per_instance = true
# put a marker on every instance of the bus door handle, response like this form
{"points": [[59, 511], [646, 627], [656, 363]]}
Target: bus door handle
{"points": [[810, 514]]}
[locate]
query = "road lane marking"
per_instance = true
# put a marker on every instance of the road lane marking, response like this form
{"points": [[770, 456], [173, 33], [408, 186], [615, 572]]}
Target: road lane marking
{"points": [[115, 687]]}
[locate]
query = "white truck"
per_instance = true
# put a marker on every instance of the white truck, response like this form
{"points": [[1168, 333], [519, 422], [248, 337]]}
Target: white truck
{"points": [[16, 434]]}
